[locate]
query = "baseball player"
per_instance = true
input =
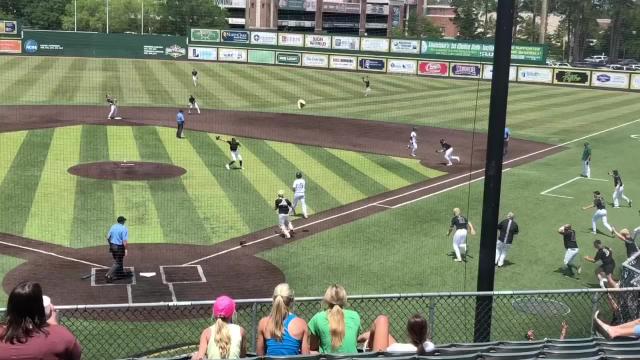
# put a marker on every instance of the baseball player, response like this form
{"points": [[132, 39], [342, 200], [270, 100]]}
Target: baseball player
{"points": [[605, 270], [413, 142], [193, 104], [507, 137], [299, 188], [283, 208], [235, 153], [448, 151], [507, 228], [600, 214], [586, 161], [461, 225], [618, 191], [571, 249], [194, 77], [629, 240], [367, 85], [113, 107], [180, 122]]}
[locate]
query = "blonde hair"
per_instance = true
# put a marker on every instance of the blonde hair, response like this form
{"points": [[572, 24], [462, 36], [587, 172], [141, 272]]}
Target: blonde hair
{"points": [[625, 232], [336, 298], [456, 211], [222, 338], [282, 299]]}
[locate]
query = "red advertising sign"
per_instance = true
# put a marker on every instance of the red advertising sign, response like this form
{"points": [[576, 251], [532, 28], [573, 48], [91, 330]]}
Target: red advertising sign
{"points": [[10, 46], [433, 68]]}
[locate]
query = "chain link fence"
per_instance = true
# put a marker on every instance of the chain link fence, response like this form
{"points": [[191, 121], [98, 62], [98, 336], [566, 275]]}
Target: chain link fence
{"points": [[120, 331]]}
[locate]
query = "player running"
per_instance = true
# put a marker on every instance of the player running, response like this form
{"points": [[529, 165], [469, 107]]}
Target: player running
{"points": [[194, 77], [571, 249], [461, 226], [413, 142], [618, 191], [193, 104], [600, 214], [448, 151], [586, 161], [283, 208], [113, 107], [367, 85], [508, 229], [605, 270], [299, 188], [235, 153]]}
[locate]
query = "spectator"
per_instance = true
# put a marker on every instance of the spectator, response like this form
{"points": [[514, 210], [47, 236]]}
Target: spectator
{"points": [[629, 240], [26, 333], [417, 329], [336, 329], [222, 340], [282, 333], [564, 328], [630, 329]]}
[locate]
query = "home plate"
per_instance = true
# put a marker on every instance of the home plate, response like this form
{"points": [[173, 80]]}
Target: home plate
{"points": [[148, 274]]}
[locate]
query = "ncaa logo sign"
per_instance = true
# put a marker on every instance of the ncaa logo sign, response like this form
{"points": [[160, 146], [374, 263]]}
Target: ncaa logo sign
{"points": [[30, 46]]}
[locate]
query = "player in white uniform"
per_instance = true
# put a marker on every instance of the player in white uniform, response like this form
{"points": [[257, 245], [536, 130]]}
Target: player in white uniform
{"points": [[413, 142], [600, 214], [194, 77], [299, 188], [283, 208], [461, 225], [193, 104], [618, 192], [113, 107]]}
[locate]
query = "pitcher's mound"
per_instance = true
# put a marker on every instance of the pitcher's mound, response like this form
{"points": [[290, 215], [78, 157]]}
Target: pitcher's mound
{"points": [[127, 170]]}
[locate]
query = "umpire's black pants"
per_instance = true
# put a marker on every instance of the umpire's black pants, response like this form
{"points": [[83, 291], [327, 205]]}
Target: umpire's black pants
{"points": [[180, 129], [117, 269]]}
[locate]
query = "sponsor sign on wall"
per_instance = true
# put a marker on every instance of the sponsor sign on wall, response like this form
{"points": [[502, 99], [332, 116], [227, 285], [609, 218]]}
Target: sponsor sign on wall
{"points": [[461, 49], [233, 4], [10, 46], [236, 55], [343, 62], [285, 39], [317, 41], [235, 36], [571, 77], [377, 9], [202, 53], [405, 46], [341, 7], [465, 70], [487, 72], [635, 81], [372, 64], [264, 38], [286, 58], [300, 5], [262, 56], [346, 43], [535, 74], [205, 35], [610, 79], [433, 68], [9, 27], [374, 44], [315, 60], [400, 66]]}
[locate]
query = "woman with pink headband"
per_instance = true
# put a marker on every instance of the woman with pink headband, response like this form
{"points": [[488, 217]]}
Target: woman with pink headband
{"points": [[224, 339]]}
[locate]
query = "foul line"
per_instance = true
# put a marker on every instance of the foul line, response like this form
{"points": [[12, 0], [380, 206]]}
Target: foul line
{"points": [[54, 254], [546, 192], [414, 191]]}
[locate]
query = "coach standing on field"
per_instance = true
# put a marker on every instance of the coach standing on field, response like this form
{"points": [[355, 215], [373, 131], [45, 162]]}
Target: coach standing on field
{"points": [[508, 229], [180, 121], [117, 239]]}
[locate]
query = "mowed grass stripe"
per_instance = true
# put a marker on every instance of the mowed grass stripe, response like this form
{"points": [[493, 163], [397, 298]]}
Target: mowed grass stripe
{"points": [[111, 82], [10, 144], [386, 178], [255, 211], [122, 144], [217, 76], [19, 185], [11, 84], [27, 81], [259, 95], [397, 167], [416, 166], [221, 217], [295, 79], [51, 216], [277, 83], [342, 190], [93, 198], [361, 181], [160, 78], [91, 88], [178, 216], [136, 92], [205, 97], [66, 87], [154, 88], [317, 197]]}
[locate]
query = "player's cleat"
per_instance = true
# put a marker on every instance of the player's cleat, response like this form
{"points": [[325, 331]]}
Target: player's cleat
{"points": [[449, 165], [227, 166], [305, 216], [243, 243], [414, 155], [579, 270], [616, 207], [457, 260], [630, 203], [593, 232]]}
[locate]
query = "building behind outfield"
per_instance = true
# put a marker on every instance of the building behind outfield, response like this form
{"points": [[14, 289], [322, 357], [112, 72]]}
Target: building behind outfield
{"points": [[366, 17]]}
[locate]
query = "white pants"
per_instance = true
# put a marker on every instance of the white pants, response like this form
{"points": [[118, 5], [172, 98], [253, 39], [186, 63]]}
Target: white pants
{"points": [[569, 256], [600, 215], [195, 80], [460, 241], [618, 194], [113, 111], [367, 91], [194, 105], [414, 147], [586, 168], [449, 157], [501, 252], [285, 224], [301, 199], [235, 156]]}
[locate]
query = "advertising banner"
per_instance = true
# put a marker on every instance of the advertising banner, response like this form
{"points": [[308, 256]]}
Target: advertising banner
{"points": [[299, 5], [487, 72], [232, 4], [346, 43], [317, 41], [205, 35], [262, 56], [286, 58], [315, 60], [10, 46], [465, 70], [610, 79], [535, 74], [203, 53], [264, 38], [377, 9], [372, 64], [635, 81], [433, 68], [234, 36], [342, 8], [235, 55], [343, 62], [374, 44], [8, 27], [473, 50], [405, 46], [286, 39], [399, 66], [572, 77]]}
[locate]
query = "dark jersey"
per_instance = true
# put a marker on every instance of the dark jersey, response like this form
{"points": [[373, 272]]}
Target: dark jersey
{"points": [[192, 99], [631, 247], [599, 203], [605, 255], [194, 73], [283, 205], [459, 222], [233, 146], [508, 229], [110, 101], [366, 83], [617, 180], [445, 146], [569, 238]]}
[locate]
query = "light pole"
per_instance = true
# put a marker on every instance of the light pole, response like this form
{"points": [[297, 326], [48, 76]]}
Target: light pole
{"points": [[142, 17], [75, 15], [107, 16]]}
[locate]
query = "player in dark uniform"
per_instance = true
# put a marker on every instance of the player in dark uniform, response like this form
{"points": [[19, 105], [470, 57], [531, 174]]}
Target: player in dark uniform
{"points": [[629, 241], [283, 208], [367, 85], [607, 266], [600, 213], [448, 151], [193, 104], [461, 226], [235, 153], [113, 107], [571, 249], [508, 228], [194, 76], [618, 191]]}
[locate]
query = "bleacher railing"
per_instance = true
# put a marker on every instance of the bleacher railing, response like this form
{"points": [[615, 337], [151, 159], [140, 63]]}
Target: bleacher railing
{"points": [[125, 330]]}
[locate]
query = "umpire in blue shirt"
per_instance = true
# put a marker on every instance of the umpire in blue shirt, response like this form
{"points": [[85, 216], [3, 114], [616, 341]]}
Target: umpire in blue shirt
{"points": [[117, 239], [180, 121]]}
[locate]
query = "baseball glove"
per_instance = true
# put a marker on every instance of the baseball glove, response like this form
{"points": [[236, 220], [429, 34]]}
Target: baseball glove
{"points": [[218, 137]]}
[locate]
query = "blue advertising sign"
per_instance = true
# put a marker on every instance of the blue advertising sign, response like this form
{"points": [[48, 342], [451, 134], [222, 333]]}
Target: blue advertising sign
{"points": [[235, 36], [372, 64], [30, 46], [465, 70]]}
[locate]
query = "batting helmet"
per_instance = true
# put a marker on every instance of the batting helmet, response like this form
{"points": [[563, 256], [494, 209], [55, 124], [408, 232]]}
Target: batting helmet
{"points": [[298, 175]]}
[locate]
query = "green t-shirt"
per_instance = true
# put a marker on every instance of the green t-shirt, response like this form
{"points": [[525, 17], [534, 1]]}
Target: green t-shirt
{"points": [[319, 326], [586, 153]]}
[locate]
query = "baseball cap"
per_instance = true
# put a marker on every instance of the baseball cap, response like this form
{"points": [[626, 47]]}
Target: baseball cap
{"points": [[121, 219], [280, 192], [224, 307]]}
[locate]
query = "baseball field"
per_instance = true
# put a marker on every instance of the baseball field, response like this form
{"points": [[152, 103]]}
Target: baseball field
{"points": [[379, 217]]}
